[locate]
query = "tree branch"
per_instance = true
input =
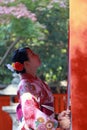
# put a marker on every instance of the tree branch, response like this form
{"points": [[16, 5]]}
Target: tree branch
{"points": [[9, 49]]}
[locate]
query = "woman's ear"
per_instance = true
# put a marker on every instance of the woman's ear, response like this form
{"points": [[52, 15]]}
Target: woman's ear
{"points": [[26, 64]]}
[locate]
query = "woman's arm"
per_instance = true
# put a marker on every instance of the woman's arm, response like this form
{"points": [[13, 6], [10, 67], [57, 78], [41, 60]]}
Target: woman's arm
{"points": [[33, 117]]}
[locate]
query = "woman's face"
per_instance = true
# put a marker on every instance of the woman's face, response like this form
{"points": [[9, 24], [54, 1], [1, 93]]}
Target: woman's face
{"points": [[34, 59]]}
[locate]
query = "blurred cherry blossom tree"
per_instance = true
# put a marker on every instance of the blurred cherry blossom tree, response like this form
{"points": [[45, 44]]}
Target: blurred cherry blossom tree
{"points": [[17, 11]]}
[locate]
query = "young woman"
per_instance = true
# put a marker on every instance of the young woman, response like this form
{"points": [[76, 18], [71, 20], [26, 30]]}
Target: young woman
{"points": [[35, 110]]}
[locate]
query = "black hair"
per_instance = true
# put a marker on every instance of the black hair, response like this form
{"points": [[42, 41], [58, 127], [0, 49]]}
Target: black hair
{"points": [[20, 55]]}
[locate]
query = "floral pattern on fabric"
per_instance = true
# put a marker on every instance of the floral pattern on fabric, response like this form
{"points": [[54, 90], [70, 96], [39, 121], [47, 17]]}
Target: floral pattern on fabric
{"points": [[32, 94], [43, 122], [41, 125]]}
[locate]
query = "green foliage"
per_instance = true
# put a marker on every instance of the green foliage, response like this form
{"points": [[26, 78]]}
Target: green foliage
{"points": [[5, 75], [56, 22], [24, 27], [54, 61], [34, 4]]}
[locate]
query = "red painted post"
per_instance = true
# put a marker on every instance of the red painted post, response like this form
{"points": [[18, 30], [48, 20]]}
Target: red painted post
{"points": [[5, 119], [59, 102], [78, 54]]}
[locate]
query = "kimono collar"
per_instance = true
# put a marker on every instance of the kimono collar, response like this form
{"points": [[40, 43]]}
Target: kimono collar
{"points": [[28, 76]]}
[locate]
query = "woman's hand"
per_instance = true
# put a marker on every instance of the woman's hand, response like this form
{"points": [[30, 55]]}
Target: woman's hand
{"points": [[64, 119]]}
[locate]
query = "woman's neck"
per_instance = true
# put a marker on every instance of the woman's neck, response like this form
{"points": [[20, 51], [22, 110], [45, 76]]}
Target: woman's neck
{"points": [[32, 73], [28, 76]]}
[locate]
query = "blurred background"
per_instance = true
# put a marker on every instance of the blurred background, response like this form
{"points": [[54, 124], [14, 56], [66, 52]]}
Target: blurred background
{"points": [[41, 25]]}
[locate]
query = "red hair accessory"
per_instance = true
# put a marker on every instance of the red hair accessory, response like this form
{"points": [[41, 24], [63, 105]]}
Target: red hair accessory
{"points": [[17, 66]]}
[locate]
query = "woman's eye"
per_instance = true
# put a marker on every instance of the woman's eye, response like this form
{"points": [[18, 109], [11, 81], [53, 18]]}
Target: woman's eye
{"points": [[32, 54]]}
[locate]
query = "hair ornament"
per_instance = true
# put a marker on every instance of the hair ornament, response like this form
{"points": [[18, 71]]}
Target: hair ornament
{"points": [[9, 66], [17, 66]]}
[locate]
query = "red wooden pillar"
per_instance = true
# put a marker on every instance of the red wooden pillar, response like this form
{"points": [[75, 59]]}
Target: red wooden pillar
{"points": [[78, 55], [63, 99], [59, 102], [5, 119], [56, 103]]}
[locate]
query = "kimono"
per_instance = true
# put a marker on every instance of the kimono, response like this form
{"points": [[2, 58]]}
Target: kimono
{"points": [[35, 110]]}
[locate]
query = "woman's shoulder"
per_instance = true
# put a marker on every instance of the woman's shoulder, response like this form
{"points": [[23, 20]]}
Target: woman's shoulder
{"points": [[24, 83], [26, 86]]}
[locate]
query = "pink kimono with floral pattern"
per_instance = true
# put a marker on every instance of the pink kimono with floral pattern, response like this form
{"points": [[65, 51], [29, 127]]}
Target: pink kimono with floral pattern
{"points": [[35, 110]]}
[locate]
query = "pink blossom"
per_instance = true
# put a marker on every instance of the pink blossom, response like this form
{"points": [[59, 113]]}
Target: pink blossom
{"points": [[18, 11], [6, 1], [62, 3], [29, 109]]}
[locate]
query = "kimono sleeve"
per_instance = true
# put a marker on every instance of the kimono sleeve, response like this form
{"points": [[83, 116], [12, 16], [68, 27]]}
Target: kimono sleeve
{"points": [[32, 116]]}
